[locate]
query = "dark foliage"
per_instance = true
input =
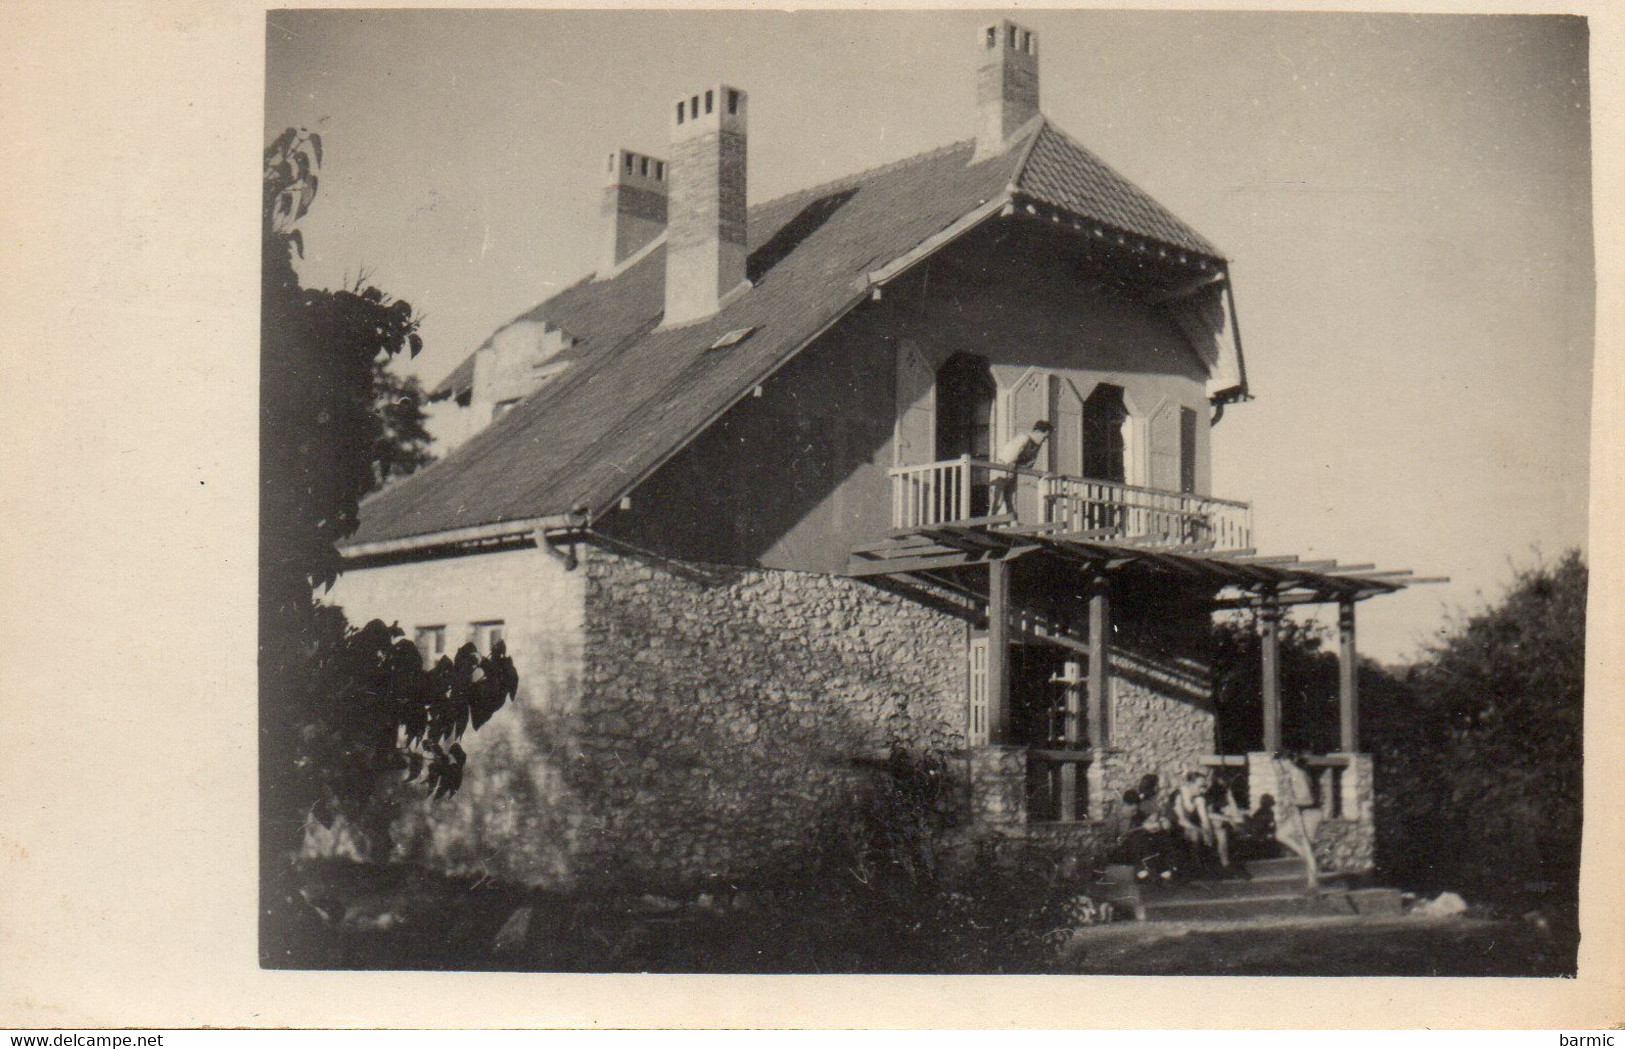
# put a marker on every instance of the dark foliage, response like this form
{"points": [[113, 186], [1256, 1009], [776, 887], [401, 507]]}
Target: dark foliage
{"points": [[1479, 754], [1308, 679], [404, 447], [339, 705], [1478, 746]]}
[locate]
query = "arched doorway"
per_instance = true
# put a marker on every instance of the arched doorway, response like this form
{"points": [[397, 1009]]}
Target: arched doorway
{"points": [[965, 395], [1105, 416]]}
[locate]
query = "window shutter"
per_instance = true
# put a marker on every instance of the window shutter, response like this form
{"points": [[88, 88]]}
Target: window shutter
{"points": [[916, 441], [1165, 449], [1029, 402], [1187, 451], [1066, 414]]}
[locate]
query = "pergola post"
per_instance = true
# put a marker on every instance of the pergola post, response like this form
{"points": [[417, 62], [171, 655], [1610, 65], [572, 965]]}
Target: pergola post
{"points": [[1269, 617], [1071, 736], [1348, 681], [998, 652], [1100, 632]]}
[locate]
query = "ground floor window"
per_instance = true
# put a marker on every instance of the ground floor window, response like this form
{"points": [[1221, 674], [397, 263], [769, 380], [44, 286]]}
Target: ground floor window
{"points": [[486, 635], [431, 642]]}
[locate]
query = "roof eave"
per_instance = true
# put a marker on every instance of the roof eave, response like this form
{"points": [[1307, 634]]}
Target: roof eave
{"points": [[455, 536]]}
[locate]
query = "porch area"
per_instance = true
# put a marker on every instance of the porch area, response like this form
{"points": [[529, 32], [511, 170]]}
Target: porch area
{"points": [[1064, 595]]}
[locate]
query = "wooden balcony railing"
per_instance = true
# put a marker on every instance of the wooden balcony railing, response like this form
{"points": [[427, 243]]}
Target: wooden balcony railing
{"points": [[961, 489]]}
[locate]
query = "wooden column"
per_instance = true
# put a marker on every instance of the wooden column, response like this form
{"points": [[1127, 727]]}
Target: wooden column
{"points": [[1348, 680], [1269, 616], [1100, 626], [1071, 737], [998, 652]]}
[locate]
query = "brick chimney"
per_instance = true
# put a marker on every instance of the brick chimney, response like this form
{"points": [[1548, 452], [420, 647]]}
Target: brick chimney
{"points": [[705, 231], [1006, 85], [634, 207]]}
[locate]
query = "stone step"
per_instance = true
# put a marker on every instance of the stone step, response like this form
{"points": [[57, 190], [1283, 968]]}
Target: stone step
{"points": [[1234, 888], [1243, 907], [1280, 865], [1378, 901]]}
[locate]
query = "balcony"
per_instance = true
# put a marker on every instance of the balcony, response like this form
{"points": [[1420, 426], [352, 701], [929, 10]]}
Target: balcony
{"points": [[959, 490]]}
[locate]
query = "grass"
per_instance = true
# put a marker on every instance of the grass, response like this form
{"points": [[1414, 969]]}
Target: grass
{"points": [[352, 916], [1408, 946]]}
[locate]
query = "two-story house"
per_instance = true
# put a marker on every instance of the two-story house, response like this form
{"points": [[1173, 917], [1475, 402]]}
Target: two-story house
{"points": [[727, 502]]}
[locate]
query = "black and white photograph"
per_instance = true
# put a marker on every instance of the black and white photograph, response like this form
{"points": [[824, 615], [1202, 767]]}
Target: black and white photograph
{"points": [[539, 518], [924, 492]]}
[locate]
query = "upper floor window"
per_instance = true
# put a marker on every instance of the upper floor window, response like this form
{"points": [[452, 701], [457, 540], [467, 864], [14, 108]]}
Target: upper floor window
{"points": [[1104, 417], [965, 395]]}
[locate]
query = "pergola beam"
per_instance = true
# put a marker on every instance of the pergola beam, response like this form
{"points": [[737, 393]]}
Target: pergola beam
{"points": [[961, 559]]}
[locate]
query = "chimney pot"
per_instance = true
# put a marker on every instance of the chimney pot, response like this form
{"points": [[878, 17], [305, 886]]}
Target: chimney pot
{"points": [[705, 237], [634, 206], [1006, 85]]}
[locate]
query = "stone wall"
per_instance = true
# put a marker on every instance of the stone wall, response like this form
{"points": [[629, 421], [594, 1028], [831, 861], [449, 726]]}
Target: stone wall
{"points": [[681, 723], [727, 712], [1161, 716]]}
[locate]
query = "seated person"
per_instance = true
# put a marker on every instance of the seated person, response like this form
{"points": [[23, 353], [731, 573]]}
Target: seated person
{"points": [[1229, 821], [1151, 847], [1140, 801], [1189, 812]]}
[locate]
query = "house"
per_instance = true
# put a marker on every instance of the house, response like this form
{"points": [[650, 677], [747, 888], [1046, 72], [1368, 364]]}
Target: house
{"points": [[728, 503]]}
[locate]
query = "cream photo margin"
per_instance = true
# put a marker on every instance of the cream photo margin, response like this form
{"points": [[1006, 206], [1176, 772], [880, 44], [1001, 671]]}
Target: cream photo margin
{"points": [[128, 877]]}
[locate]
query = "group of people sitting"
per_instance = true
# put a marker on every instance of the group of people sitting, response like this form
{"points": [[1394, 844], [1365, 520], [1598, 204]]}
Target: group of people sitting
{"points": [[1198, 830]]}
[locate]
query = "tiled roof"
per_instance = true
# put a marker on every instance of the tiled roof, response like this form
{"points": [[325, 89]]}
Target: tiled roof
{"points": [[1062, 173], [633, 394]]}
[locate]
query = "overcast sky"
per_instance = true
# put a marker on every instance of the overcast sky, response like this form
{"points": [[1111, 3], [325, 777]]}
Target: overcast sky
{"points": [[1405, 201]]}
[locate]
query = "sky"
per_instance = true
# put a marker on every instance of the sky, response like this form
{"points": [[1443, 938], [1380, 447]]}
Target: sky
{"points": [[1405, 201]]}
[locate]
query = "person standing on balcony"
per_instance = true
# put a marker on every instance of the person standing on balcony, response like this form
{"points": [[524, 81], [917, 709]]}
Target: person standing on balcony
{"points": [[1019, 452]]}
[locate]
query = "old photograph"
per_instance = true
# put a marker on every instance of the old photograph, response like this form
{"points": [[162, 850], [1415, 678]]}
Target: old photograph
{"points": [[979, 492]]}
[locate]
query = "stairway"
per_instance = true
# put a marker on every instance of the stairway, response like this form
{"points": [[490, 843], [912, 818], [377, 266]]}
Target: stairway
{"points": [[1274, 888]]}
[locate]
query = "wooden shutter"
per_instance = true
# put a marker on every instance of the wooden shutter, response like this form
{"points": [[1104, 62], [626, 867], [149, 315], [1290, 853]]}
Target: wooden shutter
{"points": [[1029, 401], [976, 722], [1187, 451], [1165, 448], [916, 441], [1066, 414]]}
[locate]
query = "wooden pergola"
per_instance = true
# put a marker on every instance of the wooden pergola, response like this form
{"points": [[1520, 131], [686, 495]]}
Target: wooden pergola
{"points": [[965, 567]]}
